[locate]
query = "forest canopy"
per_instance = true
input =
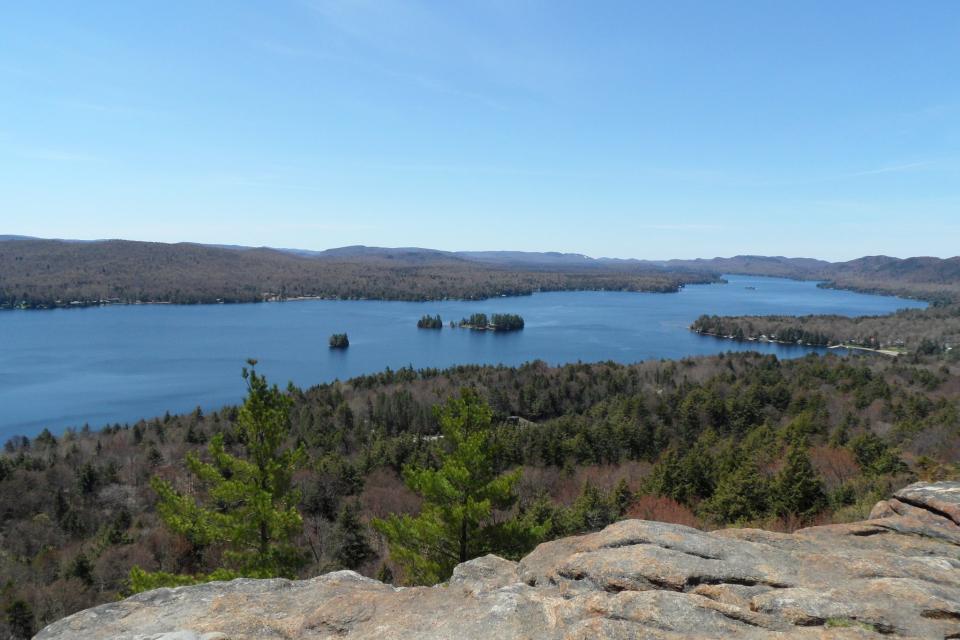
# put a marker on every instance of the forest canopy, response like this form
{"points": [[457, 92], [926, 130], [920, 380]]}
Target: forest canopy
{"points": [[739, 438]]}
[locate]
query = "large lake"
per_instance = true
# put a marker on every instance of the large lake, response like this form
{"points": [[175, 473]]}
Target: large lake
{"points": [[119, 364]]}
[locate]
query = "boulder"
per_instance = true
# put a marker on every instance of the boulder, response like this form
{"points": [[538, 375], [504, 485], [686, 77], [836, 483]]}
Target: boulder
{"points": [[895, 574]]}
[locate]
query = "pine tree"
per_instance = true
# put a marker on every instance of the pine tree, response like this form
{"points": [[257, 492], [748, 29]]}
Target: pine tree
{"points": [[740, 496], [797, 488], [60, 506], [88, 480], [666, 478], [82, 569], [457, 521], [353, 549], [385, 574], [623, 497], [154, 457], [20, 619], [251, 509], [593, 510]]}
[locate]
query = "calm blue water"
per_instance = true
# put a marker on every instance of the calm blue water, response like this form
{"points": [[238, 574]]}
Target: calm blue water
{"points": [[119, 364]]}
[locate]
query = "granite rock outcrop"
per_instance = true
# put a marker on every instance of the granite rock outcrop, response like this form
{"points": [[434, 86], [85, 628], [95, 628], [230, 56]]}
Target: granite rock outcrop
{"points": [[895, 574]]}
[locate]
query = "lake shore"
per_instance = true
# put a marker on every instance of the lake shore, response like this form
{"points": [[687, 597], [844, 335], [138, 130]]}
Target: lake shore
{"points": [[121, 363]]}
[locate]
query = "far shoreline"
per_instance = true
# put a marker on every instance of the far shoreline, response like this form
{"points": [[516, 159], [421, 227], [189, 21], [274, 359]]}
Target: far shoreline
{"points": [[929, 300]]}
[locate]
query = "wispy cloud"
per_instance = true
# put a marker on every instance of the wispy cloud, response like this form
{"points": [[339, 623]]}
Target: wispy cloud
{"points": [[419, 80], [321, 226], [443, 51], [929, 113], [111, 109], [680, 227], [275, 184], [58, 155], [471, 169], [896, 168]]}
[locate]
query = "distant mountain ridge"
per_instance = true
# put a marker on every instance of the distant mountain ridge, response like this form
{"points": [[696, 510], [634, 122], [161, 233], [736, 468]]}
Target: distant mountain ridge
{"points": [[37, 274], [922, 268], [926, 277]]}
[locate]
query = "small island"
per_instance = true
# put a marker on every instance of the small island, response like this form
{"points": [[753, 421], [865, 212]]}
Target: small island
{"points": [[496, 322], [430, 322], [339, 341]]}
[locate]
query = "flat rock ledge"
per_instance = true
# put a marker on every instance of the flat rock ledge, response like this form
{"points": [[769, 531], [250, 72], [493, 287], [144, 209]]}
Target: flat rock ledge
{"points": [[895, 574]]}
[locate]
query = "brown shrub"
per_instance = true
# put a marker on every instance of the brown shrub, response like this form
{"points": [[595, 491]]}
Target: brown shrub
{"points": [[384, 493], [835, 466], [565, 487], [662, 509]]}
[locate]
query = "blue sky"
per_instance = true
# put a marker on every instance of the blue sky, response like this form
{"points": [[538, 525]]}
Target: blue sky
{"points": [[633, 129]]}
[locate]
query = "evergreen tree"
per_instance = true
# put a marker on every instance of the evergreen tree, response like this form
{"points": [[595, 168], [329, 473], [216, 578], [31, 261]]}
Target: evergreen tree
{"points": [[457, 521], [353, 549], [740, 496], [20, 619], [251, 509], [622, 496], [154, 457], [88, 480], [82, 569], [593, 510], [797, 488], [666, 478], [875, 456], [385, 575], [60, 506]]}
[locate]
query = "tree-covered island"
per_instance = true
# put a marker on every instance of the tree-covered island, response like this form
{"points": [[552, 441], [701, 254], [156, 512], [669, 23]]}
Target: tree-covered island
{"points": [[430, 322], [496, 322], [339, 341]]}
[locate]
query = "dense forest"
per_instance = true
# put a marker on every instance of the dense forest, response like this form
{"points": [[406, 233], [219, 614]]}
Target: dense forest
{"points": [[731, 439], [51, 273]]}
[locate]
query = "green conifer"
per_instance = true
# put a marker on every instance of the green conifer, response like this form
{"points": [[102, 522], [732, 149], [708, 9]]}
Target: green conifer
{"points": [[353, 548], [797, 489], [740, 496], [457, 520], [251, 503]]}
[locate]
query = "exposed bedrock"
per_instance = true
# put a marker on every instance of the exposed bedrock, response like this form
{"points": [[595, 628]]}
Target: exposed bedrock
{"points": [[895, 574]]}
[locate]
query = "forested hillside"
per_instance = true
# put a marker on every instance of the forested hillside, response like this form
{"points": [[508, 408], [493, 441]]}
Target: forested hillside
{"points": [[37, 273], [934, 279], [53, 273], [931, 331], [928, 331], [739, 438]]}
